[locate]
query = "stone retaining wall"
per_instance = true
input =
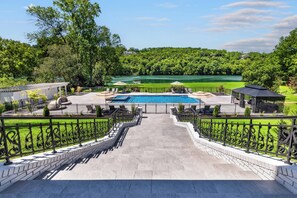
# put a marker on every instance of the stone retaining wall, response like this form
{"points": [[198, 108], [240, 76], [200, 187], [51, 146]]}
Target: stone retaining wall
{"points": [[28, 168], [266, 168]]}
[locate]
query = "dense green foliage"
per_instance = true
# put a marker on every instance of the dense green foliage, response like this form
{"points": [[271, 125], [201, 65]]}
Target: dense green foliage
{"points": [[182, 61], [16, 59], [69, 29]]}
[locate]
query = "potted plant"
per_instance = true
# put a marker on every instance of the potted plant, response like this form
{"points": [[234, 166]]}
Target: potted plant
{"points": [[216, 111], [46, 112], [15, 105], [2, 108], [247, 112], [181, 108], [98, 111]]}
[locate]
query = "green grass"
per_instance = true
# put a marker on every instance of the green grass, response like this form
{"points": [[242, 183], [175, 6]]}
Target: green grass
{"points": [[39, 128], [291, 96]]}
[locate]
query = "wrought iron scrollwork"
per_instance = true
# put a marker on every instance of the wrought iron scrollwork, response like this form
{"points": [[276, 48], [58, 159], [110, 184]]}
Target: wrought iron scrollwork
{"points": [[12, 138]]}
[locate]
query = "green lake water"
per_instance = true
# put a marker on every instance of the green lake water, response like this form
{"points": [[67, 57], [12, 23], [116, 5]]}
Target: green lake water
{"points": [[169, 79]]}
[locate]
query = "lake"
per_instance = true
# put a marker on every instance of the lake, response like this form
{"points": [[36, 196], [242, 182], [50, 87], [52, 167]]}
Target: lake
{"points": [[169, 79]]}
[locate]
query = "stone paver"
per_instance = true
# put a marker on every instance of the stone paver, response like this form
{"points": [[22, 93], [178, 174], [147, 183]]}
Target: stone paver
{"points": [[156, 149]]}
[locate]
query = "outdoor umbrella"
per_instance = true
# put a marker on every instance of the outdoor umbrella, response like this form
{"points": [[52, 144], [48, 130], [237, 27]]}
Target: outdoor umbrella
{"points": [[120, 83], [176, 83]]}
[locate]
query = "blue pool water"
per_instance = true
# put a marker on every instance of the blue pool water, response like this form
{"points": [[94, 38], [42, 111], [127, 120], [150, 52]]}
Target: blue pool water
{"points": [[154, 99]]}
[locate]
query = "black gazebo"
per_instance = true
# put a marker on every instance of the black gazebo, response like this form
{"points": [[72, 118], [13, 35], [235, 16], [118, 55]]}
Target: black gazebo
{"points": [[260, 99]]}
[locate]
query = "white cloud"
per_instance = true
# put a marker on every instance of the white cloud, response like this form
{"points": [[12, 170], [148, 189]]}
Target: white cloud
{"points": [[243, 17], [29, 6], [268, 41], [168, 5], [155, 19], [257, 4]]}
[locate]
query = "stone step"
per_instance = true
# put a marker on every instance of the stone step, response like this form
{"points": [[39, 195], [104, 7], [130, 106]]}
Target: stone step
{"points": [[146, 188]]}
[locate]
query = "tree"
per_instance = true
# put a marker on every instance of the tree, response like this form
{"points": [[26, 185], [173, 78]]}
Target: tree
{"points": [[72, 22], [61, 64], [17, 59], [286, 52], [262, 72]]}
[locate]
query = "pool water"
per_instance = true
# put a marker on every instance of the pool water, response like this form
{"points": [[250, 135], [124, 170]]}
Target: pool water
{"points": [[155, 99]]}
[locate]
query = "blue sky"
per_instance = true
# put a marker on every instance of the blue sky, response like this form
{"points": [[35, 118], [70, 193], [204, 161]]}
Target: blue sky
{"points": [[244, 25]]}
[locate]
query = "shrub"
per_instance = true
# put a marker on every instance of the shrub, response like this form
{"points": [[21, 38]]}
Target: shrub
{"points": [[15, 105], [8, 106], [98, 111], [2, 108], [181, 107], [72, 90], [46, 112], [29, 107], [247, 112], [216, 111], [221, 89], [79, 89], [133, 109]]}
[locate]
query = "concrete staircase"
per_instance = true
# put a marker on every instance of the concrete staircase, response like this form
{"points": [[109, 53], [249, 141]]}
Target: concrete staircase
{"points": [[154, 159]]}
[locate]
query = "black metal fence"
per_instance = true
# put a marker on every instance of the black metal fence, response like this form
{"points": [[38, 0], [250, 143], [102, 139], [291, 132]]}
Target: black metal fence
{"points": [[192, 89], [21, 136], [274, 136]]}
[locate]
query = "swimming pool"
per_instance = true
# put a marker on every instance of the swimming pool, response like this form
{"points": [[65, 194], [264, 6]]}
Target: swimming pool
{"points": [[154, 99]]}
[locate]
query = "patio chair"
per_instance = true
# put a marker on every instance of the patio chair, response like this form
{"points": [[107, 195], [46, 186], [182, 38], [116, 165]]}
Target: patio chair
{"points": [[116, 90], [190, 90], [112, 90], [172, 90], [107, 90], [193, 107], [207, 110], [186, 90], [90, 109]]}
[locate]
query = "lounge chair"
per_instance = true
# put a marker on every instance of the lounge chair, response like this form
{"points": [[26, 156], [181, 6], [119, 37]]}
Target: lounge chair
{"points": [[112, 90], [116, 90], [172, 90], [90, 109], [190, 90], [206, 110]]}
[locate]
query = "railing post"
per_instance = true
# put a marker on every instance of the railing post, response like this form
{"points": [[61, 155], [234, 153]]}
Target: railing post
{"points": [[52, 136], [210, 130], [156, 108], [95, 130], [291, 141], [166, 108], [78, 132], [145, 108], [76, 109], [7, 160], [249, 136], [225, 131]]}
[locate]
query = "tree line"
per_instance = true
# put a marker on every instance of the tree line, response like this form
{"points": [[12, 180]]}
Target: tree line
{"points": [[70, 46]]}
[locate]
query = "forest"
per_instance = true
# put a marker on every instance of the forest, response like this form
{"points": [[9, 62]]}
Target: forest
{"points": [[69, 46]]}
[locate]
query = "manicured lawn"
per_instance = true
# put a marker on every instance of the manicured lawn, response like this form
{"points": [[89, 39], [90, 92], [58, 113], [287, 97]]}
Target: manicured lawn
{"points": [[34, 134], [289, 93]]}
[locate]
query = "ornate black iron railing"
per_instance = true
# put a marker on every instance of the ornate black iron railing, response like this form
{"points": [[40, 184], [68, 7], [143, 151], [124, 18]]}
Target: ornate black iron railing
{"points": [[274, 136], [19, 138]]}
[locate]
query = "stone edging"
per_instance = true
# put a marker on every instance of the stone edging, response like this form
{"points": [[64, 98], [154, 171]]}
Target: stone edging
{"points": [[30, 167], [266, 168]]}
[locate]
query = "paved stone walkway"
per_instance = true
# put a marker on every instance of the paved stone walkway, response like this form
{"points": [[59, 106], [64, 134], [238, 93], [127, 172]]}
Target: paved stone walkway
{"points": [[156, 149], [154, 159]]}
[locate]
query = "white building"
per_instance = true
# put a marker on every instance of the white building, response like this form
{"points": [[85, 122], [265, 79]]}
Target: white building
{"points": [[20, 92]]}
